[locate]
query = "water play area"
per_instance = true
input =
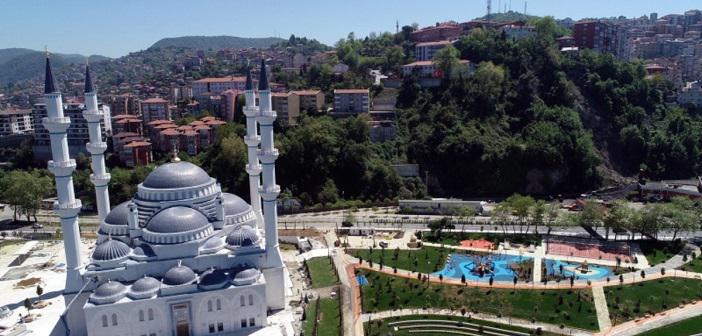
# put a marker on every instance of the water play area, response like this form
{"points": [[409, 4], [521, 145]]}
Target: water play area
{"points": [[581, 271], [482, 267]]}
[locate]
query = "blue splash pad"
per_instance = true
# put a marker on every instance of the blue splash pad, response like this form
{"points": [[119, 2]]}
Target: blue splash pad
{"points": [[595, 272], [465, 264]]}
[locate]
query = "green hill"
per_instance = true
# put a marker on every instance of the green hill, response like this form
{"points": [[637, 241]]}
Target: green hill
{"points": [[18, 64], [215, 42], [509, 16]]}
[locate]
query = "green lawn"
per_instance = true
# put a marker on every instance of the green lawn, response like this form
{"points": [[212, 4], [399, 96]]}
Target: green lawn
{"points": [[683, 328], [322, 272], [425, 260], [629, 302], [657, 252], [382, 327], [694, 265], [310, 313], [329, 319], [569, 307]]}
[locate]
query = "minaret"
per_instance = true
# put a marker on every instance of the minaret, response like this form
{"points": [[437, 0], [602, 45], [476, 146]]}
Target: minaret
{"points": [[252, 140], [96, 147], [273, 268], [62, 166]]}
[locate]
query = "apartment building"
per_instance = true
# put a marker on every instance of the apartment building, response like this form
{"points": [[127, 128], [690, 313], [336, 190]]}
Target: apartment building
{"points": [[425, 51], [16, 122], [217, 85], [351, 101], [155, 109]]}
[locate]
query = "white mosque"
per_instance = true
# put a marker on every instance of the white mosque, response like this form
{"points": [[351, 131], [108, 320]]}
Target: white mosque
{"points": [[181, 257]]}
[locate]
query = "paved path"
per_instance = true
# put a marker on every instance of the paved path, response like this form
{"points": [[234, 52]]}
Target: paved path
{"points": [[598, 296], [661, 319], [480, 316]]}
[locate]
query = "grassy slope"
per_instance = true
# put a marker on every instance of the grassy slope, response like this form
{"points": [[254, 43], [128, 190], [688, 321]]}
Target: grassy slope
{"points": [[682, 328], [329, 319], [570, 307], [632, 301]]}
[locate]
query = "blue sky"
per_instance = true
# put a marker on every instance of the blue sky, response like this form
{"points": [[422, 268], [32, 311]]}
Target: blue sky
{"points": [[114, 28]]}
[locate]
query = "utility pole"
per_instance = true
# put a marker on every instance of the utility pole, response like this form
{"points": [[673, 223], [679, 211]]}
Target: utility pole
{"points": [[489, 9], [525, 7]]}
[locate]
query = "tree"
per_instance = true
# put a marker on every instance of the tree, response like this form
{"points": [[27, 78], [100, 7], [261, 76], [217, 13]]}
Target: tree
{"points": [[591, 215], [438, 226], [617, 217], [447, 61], [520, 206], [28, 305], [40, 290], [24, 191], [538, 214]]}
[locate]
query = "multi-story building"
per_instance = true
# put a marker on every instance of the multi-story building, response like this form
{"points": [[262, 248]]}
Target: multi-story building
{"points": [[440, 32], [514, 31], [425, 51], [16, 122], [124, 104], [127, 123], [217, 85], [428, 69], [287, 106], [227, 104], [310, 100], [596, 35], [77, 133], [351, 101], [155, 109], [691, 94]]}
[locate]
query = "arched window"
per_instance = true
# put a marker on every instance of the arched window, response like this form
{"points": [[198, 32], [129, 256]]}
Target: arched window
{"points": [[219, 304], [209, 305], [250, 299], [242, 301], [151, 314], [114, 319], [104, 321], [141, 315]]}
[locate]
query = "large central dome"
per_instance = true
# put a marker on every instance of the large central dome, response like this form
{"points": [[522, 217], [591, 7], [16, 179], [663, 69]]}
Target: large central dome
{"points": [[176, 175]]}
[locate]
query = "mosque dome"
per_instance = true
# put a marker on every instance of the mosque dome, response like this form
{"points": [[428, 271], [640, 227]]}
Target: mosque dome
{"points": [[119, 215], [143, 288], [246, 277], [109, 292], [176, 224], [243, 236], [212, 245], [143, 251], [176, 175], [110, 250], [179, 275], [213, 277], [234, 205]]}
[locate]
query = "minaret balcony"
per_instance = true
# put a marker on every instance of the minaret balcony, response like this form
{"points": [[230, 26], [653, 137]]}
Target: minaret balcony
{"points": [[57, 124], [266, 118], [252, 140], [100, 180], [253, 169], [96, 148], [62, 168], [269, 193], [251, 111], [68, 210], [268, 156], [94, 116]]}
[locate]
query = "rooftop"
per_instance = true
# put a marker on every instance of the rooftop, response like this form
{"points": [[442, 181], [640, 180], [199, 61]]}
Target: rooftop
{"points": [[222, 79], [350, 91], [154, 101]]}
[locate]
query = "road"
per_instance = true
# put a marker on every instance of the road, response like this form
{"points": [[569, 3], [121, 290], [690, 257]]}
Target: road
{"points": [[378, 218]]}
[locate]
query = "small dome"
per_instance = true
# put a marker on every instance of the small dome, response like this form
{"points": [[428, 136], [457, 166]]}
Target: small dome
{"points": [[109, 292], [179, 275], [213, 278], [118, 215], [176, 175], [110, 250], [212, 245], [247, 277], [177, 219], [243, 236], [234, 205], [143, 251], [143, 288]]}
